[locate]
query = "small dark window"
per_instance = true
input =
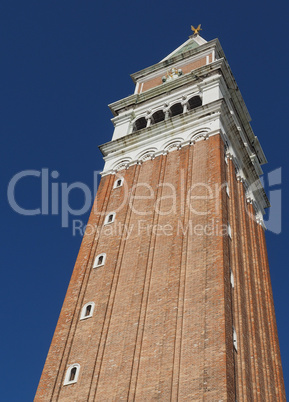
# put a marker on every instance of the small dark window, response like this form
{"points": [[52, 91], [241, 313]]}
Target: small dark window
{"points": [[99, 260], [194, 102], [118, 182], [109, 219], [88, 310], [139, 124], [176, 109], [158, 116], [72, 374]]}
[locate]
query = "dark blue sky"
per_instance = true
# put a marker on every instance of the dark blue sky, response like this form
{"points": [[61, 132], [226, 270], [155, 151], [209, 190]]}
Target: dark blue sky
{"points": [[62, 63]]}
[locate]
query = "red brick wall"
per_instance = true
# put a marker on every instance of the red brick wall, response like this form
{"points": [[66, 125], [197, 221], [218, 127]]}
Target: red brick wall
{"points": [[164, 307], [259, 371], [186, 69]]}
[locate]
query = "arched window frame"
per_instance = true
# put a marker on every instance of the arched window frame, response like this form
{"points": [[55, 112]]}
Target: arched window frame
{"points": [[117, 181], [83, 311], [156, 112], [142, 125], [96, 264], [109, 218], [173, 106], [67, 380], [197, 105]]}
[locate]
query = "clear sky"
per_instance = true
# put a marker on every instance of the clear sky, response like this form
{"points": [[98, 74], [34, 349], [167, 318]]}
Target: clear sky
{"points": [[62, 63]]}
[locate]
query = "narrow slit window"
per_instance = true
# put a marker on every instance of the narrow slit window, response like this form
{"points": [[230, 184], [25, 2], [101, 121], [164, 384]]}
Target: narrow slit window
{"points": [[109, 218], [72, 374], [235, 339], [232, 279], [118, 183], [229, 231], [87, 311], [99, 260]]}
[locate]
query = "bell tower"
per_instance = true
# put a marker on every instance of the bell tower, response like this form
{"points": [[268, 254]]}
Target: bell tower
{"points": [[170, 297]]}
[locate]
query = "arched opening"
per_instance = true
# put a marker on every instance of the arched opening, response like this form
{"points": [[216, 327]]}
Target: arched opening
{"points": [[194, 102], [158, 116], [118, 182], [140, 123], [99, 260], [176, 109], [72, 374], [88, 310]]}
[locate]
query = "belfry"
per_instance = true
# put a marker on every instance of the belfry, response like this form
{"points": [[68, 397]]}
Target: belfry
{"points": [[170, 297]]}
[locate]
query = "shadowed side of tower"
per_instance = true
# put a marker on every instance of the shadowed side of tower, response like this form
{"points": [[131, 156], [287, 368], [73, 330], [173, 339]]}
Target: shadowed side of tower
{"points": [[173, 264]]}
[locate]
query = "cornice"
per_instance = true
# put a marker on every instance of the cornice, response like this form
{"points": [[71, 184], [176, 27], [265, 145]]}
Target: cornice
{"points": [[193, 77], [146, 72]]}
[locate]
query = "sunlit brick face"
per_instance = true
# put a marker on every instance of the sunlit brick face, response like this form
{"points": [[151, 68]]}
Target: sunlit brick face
{"points": [[170, 296]]}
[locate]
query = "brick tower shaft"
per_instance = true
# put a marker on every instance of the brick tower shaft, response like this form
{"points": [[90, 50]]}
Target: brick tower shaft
{"points": [[170, 297]]}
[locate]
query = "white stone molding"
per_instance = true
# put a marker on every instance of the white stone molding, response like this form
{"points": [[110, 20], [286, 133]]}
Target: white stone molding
{"points": [[132, 163], [109, 219], [229, 154], [118, 182], [185, 143], [83, 315], [240, 176], [149, 120], [159, 153], [146, 155], [121, 164], [202, 135], [67, 379], [259, 219], [99, 260], [173, 146]]}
